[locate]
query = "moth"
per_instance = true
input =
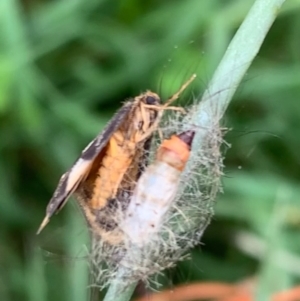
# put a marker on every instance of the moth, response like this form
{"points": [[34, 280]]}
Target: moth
{"points": [[156, 190], [105, 174]]}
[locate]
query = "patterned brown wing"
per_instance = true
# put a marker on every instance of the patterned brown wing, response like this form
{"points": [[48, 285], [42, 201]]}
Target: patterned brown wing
{"points": [[70, 180]]}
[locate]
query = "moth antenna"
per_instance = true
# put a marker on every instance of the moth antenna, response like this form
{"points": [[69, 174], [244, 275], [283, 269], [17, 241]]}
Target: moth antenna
{"points": [[43, 224], [183, 87]]}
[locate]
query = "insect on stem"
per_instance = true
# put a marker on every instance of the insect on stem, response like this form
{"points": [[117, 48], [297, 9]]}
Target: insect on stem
{"points": [[105, 174]]}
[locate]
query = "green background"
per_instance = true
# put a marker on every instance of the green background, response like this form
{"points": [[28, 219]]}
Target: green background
{"points": [[65, 68]]}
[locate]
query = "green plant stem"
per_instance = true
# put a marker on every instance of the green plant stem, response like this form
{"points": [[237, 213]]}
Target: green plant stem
{"points": [[236, 61], [118, 290]]}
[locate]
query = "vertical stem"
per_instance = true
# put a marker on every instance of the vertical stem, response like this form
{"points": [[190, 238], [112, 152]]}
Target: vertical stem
{"points": [[117, 291], [236, 61], [239, 55]]}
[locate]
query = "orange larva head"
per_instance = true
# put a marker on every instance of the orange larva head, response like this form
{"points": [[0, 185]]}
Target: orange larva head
{"points": [[176, 150]]}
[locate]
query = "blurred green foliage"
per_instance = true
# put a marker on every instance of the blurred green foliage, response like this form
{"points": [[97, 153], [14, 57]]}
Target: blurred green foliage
{"points": [[65, 67]]}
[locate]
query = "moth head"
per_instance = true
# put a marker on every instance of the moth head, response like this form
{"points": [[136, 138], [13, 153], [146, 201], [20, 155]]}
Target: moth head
{"points": [[150, 98]]}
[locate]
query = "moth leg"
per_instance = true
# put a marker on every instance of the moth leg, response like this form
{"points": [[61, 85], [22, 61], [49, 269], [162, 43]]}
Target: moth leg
{"points": [[163, 108], [145, 117], [160, 134], [150, 130], [154, 126]]}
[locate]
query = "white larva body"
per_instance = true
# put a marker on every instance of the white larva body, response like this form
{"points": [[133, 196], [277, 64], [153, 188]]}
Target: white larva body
{"points": [[156, 190], [152, 198]]}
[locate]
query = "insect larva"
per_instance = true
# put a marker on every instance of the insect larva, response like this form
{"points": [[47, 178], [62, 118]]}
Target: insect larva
{"points": [[156, 189]]}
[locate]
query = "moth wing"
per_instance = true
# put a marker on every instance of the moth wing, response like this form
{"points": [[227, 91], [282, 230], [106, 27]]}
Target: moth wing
{"points": [[70, 180]]}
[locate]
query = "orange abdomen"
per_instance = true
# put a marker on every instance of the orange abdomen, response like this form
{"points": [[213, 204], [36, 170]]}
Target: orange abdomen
{"points": [[115, 163]]}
